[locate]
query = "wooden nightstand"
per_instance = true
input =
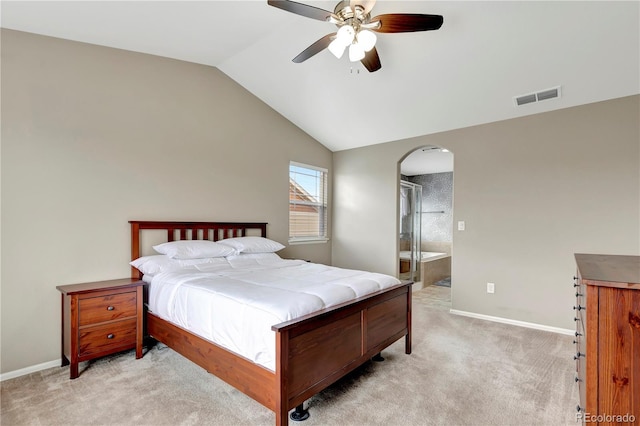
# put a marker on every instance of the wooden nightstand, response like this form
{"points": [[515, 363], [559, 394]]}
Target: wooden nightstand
{"points": [[100, 318]]}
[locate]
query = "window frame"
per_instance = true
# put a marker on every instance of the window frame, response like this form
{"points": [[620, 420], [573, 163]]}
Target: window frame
{"points": [[323, 204]]}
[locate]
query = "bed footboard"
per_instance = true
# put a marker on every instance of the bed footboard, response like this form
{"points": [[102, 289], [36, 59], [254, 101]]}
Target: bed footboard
{"points": [[312, 352], [315, 351]]}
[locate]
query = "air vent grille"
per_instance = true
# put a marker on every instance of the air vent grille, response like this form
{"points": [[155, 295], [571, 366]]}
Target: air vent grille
{"points": [[526, 99], [547, 94], [551, 93]]}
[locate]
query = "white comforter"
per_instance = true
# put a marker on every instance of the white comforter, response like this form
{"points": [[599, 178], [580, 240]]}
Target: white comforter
{"points": [[235, 300]]}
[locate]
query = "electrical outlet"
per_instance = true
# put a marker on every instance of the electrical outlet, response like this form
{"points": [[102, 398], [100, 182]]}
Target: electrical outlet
{"points": [[461, 225], [491, 288]]}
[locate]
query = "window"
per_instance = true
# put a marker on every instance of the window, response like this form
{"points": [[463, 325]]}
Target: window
{"points": [[307, 203]]}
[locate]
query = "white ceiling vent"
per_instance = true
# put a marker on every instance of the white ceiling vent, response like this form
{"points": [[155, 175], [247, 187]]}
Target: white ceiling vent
{"points": [[554, 92]]}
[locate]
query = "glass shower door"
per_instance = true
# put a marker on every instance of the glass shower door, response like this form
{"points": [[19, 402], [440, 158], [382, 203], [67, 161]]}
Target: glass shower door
{"points": [[410, 230]]}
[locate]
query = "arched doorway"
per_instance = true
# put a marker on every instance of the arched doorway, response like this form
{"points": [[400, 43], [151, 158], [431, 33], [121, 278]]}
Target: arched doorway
{"points": [[429, 169]]}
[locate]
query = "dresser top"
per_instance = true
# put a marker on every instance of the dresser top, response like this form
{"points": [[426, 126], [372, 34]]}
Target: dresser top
{"points": [[609, 268]]}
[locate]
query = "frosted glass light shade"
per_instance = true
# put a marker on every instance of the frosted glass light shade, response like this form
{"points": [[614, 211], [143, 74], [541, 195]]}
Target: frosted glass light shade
{"points": [[367, 39], [356, 52], [345, 35], [337, 48]]}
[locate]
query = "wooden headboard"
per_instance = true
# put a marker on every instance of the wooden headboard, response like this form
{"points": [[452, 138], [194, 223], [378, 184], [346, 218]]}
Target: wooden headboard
{"points": [[212, 231]]}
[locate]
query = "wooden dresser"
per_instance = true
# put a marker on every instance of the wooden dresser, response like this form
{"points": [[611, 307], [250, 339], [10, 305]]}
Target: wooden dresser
{"points": [[100, 318], [607, 316]]}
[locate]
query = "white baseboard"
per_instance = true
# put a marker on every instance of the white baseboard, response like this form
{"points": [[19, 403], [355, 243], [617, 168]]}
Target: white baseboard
{"points": [[29, 370], [514, 322]]}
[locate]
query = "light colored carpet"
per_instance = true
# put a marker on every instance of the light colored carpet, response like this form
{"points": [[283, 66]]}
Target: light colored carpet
{"points": [[462, 371], [434, 296]]}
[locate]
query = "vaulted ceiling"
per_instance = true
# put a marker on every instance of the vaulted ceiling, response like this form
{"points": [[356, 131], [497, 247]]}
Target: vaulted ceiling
{"points": [[464, 74]]}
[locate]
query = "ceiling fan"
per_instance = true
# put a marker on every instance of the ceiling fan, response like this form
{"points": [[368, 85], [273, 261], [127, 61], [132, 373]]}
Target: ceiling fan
{"points": [[356, 28]]}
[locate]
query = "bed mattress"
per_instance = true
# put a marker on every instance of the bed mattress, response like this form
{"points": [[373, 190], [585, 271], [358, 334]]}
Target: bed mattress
{"points": [[234, 301]]}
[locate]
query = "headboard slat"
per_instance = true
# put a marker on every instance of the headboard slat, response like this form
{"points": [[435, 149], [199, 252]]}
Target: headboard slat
{"points": [[210, 231]]}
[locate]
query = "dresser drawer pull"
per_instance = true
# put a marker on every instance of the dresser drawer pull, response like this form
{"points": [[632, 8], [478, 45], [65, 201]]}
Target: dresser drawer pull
{"points": [[578, 408], [578, 379], [576, 319], [579, 308], [579, 294], [110, 336], [110, 308], [578, 355], [575, 342], [578, 334]]}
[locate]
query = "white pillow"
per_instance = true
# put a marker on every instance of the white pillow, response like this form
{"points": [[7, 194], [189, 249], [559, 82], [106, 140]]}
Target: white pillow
{"points": [[155, 264], [194, 249], [252, 244]]}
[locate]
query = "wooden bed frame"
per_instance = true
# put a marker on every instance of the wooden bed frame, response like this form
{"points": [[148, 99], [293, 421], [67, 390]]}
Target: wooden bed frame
{"points": [[312, 351]]}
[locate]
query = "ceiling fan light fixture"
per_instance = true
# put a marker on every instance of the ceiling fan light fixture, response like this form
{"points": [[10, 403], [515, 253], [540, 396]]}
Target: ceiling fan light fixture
{"points": [[356, 52], [367, 39], [344, 37]]}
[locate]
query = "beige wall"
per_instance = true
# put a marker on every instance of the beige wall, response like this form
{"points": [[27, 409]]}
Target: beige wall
{"points": [[533, 191], [93, 137]]}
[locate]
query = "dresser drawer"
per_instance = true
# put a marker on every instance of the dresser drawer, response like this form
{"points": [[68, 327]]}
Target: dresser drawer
{"points": [[107, 308], [107, 337]]}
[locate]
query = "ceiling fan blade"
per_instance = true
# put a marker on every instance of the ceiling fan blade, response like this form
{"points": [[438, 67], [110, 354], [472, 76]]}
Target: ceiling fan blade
{"points": [[407, 22], [366, 4], [302, 9], [316, 47], [371, 60]]}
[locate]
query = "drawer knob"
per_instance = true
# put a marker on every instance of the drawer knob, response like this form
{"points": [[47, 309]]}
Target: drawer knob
{"points": [[578, 355], [110, 336], [575, 342], [579, 294], [579, 308], [578, 334], [576, 319], [578, 408], [110, 308], [577, 379]]}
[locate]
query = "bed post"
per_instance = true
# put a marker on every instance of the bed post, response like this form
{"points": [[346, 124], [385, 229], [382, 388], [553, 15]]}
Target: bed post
{"points": [[282, 355], [135, 248]]}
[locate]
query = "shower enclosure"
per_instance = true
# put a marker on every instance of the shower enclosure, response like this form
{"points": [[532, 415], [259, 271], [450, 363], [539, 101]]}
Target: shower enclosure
{"points": [[409, 238]]}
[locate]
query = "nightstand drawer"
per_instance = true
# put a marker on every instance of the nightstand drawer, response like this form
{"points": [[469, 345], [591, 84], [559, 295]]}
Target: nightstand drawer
{"points": [[106, 337], [99, 309]]}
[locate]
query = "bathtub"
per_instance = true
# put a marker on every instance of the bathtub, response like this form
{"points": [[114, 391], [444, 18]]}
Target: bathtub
{"points": [[434, 266], [426, 256]]}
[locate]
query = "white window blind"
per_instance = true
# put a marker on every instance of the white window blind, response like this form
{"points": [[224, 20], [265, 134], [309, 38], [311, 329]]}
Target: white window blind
{"points": [[307, 203]]}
